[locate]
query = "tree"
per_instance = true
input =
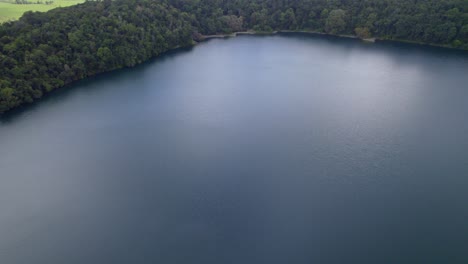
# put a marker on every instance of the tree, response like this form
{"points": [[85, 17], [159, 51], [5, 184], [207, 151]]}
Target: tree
{"points": [[335, 23], [362, 32], [7, 99], [233, 23], [288, 19], [105, 56]]}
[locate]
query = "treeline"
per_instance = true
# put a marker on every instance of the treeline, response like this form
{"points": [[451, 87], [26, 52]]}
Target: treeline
{"points": [[45, 51], [442, 22]]}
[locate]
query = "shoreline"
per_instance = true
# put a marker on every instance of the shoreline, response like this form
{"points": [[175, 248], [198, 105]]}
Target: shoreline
{"points": [[367, 40], [235, 34], [251, 32]]}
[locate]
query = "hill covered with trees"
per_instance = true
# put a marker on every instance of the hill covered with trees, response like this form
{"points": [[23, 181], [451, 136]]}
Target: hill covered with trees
{"points": [[44, 51]]}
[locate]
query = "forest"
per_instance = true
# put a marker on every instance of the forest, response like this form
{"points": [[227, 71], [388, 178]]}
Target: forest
{"points": [[44, 51]]}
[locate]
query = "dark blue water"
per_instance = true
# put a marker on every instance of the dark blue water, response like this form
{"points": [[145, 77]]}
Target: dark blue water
{"points": [[277, 149]]}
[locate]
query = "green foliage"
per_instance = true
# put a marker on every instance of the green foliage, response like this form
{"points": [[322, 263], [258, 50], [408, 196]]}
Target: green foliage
{"points": [[7, 99], [44, 51], [335, 22], [427, 21], [362, 32]]}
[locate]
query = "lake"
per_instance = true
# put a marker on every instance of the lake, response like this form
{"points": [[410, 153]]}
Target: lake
{"points": [[257, 149]]}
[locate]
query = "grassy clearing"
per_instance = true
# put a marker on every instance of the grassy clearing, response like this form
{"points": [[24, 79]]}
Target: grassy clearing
{"points": [[10, 11]]}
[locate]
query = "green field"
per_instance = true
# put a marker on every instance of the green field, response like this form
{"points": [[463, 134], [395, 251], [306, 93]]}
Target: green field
{"points": [[11, 11]]}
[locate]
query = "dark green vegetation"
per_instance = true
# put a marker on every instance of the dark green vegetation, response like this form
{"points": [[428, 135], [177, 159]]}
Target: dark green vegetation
{"points": [[44, 51]]}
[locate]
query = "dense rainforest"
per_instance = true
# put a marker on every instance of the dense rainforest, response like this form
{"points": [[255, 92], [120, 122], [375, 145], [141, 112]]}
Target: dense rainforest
{"points": [[44, 51]]}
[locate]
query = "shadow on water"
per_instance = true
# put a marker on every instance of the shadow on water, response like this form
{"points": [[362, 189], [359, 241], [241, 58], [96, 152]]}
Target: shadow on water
{"points": [[88, 83]]}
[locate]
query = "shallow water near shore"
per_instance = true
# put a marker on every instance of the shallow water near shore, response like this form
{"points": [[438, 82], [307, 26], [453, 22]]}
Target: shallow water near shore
{"points": [[288, 148]]}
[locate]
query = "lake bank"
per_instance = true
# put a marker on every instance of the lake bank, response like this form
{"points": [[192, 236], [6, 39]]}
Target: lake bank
{"points": [[367, 40], [251, 32]]}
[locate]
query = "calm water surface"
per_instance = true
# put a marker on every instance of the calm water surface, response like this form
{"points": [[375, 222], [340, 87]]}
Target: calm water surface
{"points": [[277, 149]]}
